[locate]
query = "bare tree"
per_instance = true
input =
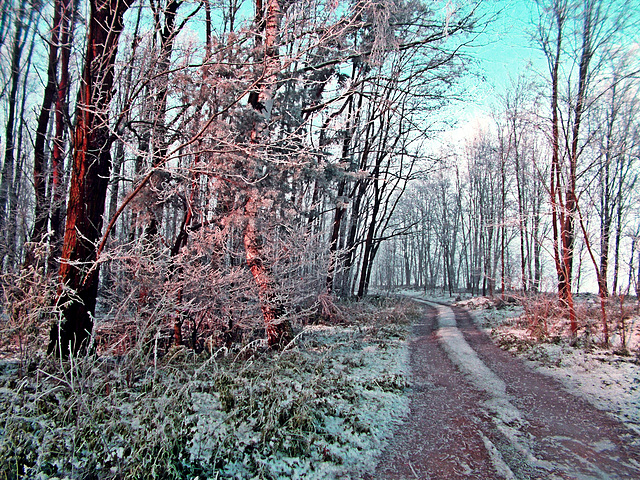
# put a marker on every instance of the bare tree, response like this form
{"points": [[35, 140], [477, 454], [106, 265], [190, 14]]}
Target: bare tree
{"points": [[59, 39], [567, 144], [22, 25]]}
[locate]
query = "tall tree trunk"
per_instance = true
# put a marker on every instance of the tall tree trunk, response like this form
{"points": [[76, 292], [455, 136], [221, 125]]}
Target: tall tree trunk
{"points": [[39, 149], [537, 242], [562, 211], [571, 200], [607, 201], [155, 138], [357, 195], [369, 247], [335, 235], [167, 37], [521, 212], [618, 238], [341, 209], [5, 20], [277, 326], [58, 187], [13, 239], [503, 225], [207, 25], [631, 280], [359, 190], [78, 274], [601, 284], [8, 167]]}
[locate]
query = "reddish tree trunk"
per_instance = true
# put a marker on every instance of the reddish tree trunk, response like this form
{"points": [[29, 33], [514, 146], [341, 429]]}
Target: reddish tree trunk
{"points": [[277, 327], [562, 219], [57, 156], [91, 168]]}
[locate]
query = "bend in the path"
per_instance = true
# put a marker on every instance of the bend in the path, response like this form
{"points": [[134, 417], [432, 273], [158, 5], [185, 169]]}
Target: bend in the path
{"points": [[582, 441], [477, 412]]}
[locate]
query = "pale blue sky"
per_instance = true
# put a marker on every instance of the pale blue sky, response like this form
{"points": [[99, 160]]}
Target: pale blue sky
{"points": [[505, 51]]}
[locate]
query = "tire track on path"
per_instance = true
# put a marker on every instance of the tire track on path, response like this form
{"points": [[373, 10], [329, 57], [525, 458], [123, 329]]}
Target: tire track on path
{"points": [[443, 437], [581, 441], [478, 412]]}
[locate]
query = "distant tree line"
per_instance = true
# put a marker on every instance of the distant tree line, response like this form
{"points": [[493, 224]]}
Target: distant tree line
{"points": [[549, 190]]}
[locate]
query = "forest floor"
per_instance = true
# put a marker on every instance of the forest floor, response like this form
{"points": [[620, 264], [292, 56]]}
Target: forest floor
{"points": [[389, 389], [530, 410], [324, 407]]}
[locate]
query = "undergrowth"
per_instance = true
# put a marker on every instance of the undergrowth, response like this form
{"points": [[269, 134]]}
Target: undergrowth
{"points": [[322, 408], [539, 320]]}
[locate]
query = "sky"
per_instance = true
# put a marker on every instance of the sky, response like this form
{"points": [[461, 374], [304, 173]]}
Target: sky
{"points": [[508, 46], [504, 51]]}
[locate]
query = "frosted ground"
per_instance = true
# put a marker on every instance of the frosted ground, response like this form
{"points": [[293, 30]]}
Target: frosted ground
{"points": [[603, 376], [324, 408], [355, 390]]}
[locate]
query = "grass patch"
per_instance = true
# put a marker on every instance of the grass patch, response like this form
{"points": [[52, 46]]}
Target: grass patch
{"points": [[323, 408]]}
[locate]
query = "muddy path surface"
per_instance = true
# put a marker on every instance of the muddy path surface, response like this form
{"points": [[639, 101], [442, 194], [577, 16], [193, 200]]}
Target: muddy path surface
{"points": [[477, 412]]}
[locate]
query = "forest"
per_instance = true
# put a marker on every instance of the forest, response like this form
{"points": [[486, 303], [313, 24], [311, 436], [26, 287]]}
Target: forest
{"points": [[190, 176]]}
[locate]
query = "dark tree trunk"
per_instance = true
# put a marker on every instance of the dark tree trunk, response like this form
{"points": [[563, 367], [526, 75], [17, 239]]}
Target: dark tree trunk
{"points": [[350, 247], [335, 235], [39, 149], [369, 246], [6, 179], [58, 154], [91, 169], [562, 211], [15, 239]]}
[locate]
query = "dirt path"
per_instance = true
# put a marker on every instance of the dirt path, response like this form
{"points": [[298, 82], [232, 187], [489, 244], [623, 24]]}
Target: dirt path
{"points": [[479, 413]]}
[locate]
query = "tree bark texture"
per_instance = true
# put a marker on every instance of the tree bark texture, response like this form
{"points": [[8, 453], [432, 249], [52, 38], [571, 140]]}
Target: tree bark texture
{"points": [[39, 149], [277, 326], [563, 235], [91, 168], [6, 178], [58, 187]]}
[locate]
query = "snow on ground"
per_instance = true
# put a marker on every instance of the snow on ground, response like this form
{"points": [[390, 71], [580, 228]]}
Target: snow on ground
{"points": [[484, 379], [324, 408], [609, 381], [507, 416], [437, 295], [356, 391]]}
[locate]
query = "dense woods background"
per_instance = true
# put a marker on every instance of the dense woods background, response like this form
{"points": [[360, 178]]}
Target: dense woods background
{"points": [[183, 168]]}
